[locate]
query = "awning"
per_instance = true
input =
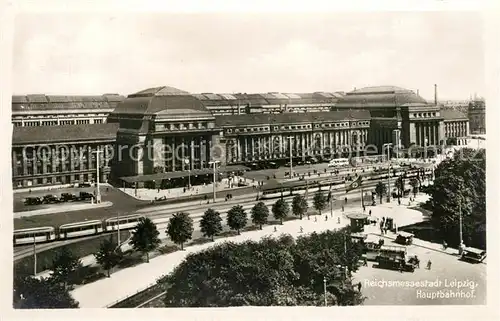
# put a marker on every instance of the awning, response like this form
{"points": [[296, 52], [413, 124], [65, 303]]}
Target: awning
{"points": [[181, 174]]}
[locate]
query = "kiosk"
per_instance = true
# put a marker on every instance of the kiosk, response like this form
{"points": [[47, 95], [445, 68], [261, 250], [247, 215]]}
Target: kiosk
{"points": [[358, 221]]}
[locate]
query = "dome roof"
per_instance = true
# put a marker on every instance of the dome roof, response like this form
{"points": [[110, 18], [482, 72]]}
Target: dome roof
{"points": [[160, 91], [380, 96], [163, 101]]}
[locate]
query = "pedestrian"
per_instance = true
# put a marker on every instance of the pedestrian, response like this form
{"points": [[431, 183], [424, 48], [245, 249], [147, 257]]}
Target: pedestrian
{"points": [[345, 199], [342, 208], [338, 220], [301, 229], [275, 229], [445, 245], [429, 263], [359, 287], [326, 217], [370, 213], [399, 201], [315, 219], [365, 262]]}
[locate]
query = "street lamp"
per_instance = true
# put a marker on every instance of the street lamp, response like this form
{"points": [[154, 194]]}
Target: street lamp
{"points": [[98, 192], [388, 145], [188, 163], [324, 289], [214, 162], [290, 147]]}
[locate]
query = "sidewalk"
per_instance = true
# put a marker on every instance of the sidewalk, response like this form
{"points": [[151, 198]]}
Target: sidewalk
{"points": [[62, 208], [171, 193]]}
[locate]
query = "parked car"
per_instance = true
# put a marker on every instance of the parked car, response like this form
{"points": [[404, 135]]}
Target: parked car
{"points": [[85, 196], [474, 255], [86, 184], [68, 197], [50, 199], [33, 201]]}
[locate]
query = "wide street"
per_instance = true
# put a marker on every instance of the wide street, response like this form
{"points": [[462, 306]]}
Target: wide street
{"points": [[445, 270]]}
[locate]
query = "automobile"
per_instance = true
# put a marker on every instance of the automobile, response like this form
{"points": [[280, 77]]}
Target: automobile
{"points": [[395, 257], [68, 197], [273, 165], [33, 201], [85, 196], [474, 255], [312, 160], [50, 199], [404, 238], [86, 184]]}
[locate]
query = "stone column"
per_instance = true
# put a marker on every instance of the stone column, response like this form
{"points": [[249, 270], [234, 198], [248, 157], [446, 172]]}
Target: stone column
{"points": [[14, 164], [173, 156]]}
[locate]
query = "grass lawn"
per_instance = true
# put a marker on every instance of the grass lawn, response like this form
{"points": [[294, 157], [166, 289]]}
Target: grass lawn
{"points": [[44, 259]]}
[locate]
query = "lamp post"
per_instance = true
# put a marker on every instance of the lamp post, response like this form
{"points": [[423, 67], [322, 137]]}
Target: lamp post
{"points": [[188, 163], [324, 289], [98, 192], [214, 162], [388, 145], [290, 147], [34, 255]]}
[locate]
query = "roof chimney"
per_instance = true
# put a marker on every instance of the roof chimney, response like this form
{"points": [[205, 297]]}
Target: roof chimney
{"points": [[435, 94]]}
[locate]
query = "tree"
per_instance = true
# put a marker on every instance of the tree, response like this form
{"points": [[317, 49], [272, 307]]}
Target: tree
{"points": [[460, 185], [237, 218], [259, 214], [319, 201], [211, 223], [414, 183], [108, 255], [269, 272], [64, 266], [145, 237], [180, 228], [381, 190], [43, 293], [299, 205], [399, 184], [280, 210]]}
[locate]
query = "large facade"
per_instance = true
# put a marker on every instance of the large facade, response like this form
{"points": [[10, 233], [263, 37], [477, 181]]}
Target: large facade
{"points": [[477, 116], [249, 138], [47, 110], [162, 129], [63, 154], [397, 109], [456, 125], [167, 130]]}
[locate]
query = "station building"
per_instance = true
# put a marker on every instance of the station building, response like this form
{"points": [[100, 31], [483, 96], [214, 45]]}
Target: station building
{"points": [[49, 110], [477, 116], [165, 133], [60, 155]]}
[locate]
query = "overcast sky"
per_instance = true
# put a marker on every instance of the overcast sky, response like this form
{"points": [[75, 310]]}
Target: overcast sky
{"points": [[95, 53]]}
